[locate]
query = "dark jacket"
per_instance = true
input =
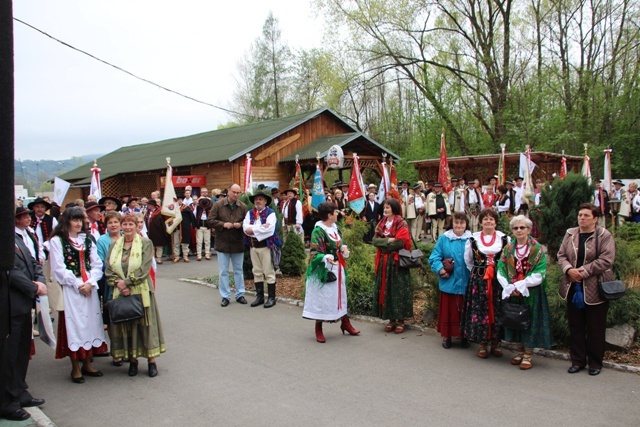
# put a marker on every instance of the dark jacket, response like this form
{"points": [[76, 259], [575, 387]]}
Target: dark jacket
{"points": [[227, 240], [596, 267], [26, 270]]}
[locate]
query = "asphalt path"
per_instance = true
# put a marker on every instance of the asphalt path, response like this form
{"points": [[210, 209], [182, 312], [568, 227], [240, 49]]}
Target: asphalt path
{"points": [[243, 366]]}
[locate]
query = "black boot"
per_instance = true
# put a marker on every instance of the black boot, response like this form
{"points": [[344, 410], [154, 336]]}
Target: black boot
{"points": [[259, 294], [271, 300]]}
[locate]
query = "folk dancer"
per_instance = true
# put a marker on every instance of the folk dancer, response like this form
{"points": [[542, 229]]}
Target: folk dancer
{"points": [[292, 213], [474, 205], [601, 200], [438, 209], [618, 209]]}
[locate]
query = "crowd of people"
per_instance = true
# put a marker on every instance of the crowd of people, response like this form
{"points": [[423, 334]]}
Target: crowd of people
{"points": [[94, 254]]}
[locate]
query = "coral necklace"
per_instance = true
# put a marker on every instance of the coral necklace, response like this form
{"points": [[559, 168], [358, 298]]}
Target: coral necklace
{"points": [[523, 253], [490, 242]]}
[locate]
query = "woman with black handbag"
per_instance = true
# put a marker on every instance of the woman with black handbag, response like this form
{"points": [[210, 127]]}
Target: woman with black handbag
{"points": [[128, 271], [325, 298], [521, 273], [586, 257], [392, 295]]}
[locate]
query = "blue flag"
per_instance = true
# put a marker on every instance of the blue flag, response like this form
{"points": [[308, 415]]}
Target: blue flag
{"points": [[317, 194]]}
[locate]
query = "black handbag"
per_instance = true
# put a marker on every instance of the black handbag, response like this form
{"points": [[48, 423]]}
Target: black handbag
{"points": [[613, 289], [410, 258], [124, 309], [516, 315]]}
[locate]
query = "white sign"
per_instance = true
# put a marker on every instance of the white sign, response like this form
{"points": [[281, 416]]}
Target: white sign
{"points": [[335, 157]]}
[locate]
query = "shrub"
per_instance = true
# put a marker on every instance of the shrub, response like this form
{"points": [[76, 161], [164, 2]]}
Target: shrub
{"points": [[360, 268], [293, 261], [559, 209]]}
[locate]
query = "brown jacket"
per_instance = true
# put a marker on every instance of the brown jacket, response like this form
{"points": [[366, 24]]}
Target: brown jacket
{"points": [[596, 267], [228, 240]]}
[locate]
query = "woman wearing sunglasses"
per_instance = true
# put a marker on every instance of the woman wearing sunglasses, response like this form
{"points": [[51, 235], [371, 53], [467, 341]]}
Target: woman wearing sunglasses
{"points": [[521, 273]]}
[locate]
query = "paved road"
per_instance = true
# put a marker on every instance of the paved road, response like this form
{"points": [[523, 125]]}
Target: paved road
{"points": [[239, 366]]}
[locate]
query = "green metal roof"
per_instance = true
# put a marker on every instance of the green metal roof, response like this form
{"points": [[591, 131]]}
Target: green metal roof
{"points": [[323, 144], [208, 147]]}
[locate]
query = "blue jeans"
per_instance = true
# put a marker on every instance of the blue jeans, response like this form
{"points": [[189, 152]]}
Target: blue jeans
{"points": [[238, 275]]}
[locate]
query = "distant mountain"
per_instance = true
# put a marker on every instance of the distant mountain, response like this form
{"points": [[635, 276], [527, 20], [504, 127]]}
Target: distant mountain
{"points": [[33, 173]]}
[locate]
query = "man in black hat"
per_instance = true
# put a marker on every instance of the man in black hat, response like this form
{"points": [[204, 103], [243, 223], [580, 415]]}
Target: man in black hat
{"points": [[260, 227], [438, 210], [518, 194], [42, 223], [94, 212], [26, 281], [275, 195], [618, 193], [292, 212], [110, 204]]}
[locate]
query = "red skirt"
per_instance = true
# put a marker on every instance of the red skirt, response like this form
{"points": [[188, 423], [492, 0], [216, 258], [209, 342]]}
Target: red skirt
{"points": [[449, 314], [62, 349]]}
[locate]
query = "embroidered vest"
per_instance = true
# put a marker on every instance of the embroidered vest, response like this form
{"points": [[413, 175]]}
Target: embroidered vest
{"points": [[291, 212], [72, 256], [273, 240], [46, 224]]}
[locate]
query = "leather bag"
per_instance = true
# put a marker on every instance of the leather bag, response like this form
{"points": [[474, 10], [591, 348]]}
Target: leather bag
{"points": [[516, 315], [448, 264], [125, 309], [612, 290], [410, 258]]}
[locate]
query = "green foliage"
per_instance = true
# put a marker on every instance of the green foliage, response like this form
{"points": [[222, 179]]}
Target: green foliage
{"points": [[293, 261], [626, 310], [559, 209], [360, 268], [557, 306]]}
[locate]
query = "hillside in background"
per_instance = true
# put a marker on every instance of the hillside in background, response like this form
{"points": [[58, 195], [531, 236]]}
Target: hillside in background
{"points": [[36, 174]]}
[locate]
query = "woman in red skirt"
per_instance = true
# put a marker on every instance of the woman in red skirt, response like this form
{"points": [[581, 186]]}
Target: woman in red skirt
{"points": [[447, 260]]}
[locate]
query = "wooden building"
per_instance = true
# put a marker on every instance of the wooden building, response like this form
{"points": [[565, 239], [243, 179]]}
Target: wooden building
{"points": [[483, 166], [216, 159]]}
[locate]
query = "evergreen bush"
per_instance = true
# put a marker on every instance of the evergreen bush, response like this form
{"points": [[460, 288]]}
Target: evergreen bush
{"points": [[293, 261], [559, 209], [360, 268]]}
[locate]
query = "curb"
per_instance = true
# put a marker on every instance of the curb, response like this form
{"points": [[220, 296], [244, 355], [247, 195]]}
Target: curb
{"points": [[39, 418], [554, 354]]}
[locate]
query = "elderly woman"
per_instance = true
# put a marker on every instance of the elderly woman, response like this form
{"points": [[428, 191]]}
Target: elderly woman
{"points": [[392, 295], [586, 257], [482, 302], [325, 298], [452, 282], [521, 273], [129, 264], [76, 266]]}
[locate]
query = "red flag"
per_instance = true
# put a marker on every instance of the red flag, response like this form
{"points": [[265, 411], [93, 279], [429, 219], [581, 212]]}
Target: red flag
{"points": [[356, 188], [444, 176], [248, 175], [394, 176], [563, 166]]}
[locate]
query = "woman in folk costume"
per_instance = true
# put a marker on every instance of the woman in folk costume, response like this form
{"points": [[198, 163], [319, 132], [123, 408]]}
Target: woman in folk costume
{"points": [[326, 296], [128, 270], [482, 302], [392, 295], [521, 273], [76, 266]]}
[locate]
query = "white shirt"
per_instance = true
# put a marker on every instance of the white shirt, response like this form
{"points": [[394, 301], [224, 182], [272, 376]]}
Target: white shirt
{"points": [[260, 231], [519, 191], [285, 210], [35, 251], [38, 230]]}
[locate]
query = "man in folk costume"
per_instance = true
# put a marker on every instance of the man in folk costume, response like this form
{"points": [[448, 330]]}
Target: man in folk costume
{"points": [[42, 223], [618, 193], [275, 195], [520, 207], [511, 193], [203, 233], [26, 233], [181, 237], [131, 207], [26, 281], [156, 229], [415, 225], [601, 200], [292, 212], [438, 209], [457, 199], [259, 226], [226, 217], [474, 205], [96, 226]]}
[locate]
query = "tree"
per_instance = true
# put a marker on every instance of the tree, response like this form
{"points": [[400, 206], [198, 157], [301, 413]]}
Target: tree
{"points": [[263, 76]]}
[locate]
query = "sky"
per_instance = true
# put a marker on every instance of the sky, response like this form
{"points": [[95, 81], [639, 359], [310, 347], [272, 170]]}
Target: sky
{"points": [[68, 104]]}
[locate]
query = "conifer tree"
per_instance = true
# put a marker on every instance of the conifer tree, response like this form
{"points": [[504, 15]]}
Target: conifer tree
{"points": [[293, 261]]}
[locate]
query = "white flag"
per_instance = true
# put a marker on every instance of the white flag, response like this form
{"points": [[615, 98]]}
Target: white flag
{"points": [[60, 188], [95, 190], [170, 208]]}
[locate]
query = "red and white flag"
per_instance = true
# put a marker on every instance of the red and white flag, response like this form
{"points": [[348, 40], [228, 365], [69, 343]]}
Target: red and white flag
{"points": [[248, 175], [444, 176], [385, 184], [96, 189], [170, 208], [356, 187], [563, 166]]}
